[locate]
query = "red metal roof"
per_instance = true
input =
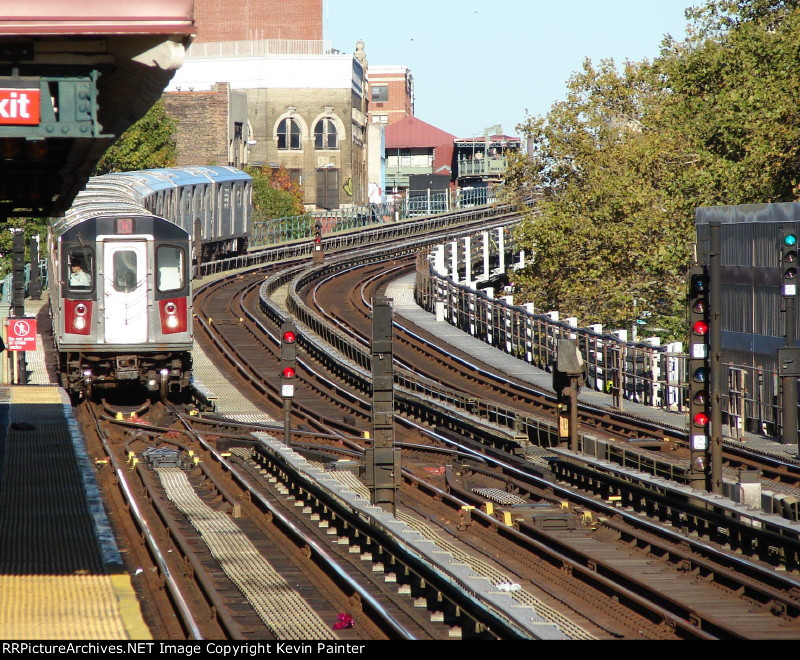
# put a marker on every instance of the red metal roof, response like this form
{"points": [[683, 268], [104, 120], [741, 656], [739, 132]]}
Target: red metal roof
{"points": [[410, 132]]}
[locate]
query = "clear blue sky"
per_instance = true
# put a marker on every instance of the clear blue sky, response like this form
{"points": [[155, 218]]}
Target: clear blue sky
{"points": [[477, 63]]}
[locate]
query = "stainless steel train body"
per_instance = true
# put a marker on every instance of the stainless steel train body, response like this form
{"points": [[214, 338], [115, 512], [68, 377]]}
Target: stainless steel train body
{"points": [[120, 273], [213, 204], [120, 296]]}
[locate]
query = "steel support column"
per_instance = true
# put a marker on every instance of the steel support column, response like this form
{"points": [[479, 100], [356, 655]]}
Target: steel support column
{"points": [[383, 458]]}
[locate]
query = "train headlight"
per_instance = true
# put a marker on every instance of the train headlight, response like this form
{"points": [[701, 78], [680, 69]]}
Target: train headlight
{"points": [[173, 316], [78, 316]]}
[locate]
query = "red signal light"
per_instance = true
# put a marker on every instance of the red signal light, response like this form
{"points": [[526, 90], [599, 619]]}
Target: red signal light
{"points": [[289, 337], [700, 419], [288, 372], [700, 328]]}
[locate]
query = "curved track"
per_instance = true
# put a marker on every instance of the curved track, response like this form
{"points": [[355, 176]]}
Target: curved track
{"points": [[363, 293]]}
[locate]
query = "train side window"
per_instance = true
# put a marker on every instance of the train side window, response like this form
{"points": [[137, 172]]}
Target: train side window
{"points": [[80, 268], [125, 277], [169, 264]]}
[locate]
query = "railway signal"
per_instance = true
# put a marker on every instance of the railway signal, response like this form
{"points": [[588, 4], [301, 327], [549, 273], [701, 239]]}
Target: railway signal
{"points": [[569, 375], [288, 373], [319, 255], [288, 359], [699, 373], [789, 357], [788, 261], [382, 459]]}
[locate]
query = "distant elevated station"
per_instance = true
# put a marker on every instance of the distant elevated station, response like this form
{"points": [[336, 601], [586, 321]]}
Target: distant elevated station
{"points": [[483, 160], [73, 77]]}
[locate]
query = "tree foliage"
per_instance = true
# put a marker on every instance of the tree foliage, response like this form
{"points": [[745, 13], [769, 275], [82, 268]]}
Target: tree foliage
{"points": [[274, 194], [31, 227], [149, 143], [621, 163]]}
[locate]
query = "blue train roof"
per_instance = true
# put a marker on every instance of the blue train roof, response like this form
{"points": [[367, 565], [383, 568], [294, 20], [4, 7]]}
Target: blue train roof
{"points": [[159, 179], [126, 192]]}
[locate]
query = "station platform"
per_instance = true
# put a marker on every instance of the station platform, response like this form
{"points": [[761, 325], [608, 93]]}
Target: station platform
{"points": [[401, 291], [61, 573]]}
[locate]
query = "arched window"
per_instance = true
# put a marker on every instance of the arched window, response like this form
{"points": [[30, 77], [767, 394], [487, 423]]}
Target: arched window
{"points": [[325, 134], [289, 134]]}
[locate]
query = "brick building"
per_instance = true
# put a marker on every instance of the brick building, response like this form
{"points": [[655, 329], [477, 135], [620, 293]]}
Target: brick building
{"points": [[391, 94], [247, 20], [212, 125]]}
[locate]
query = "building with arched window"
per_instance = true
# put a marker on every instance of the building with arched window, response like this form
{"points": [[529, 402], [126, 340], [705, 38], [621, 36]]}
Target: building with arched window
{"points": [[289, 134], [326, 135], [306, 113]]}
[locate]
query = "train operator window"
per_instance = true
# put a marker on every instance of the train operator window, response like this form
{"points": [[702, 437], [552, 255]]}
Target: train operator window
{"points": [[169, 263], [80, 268], [125, 276]]}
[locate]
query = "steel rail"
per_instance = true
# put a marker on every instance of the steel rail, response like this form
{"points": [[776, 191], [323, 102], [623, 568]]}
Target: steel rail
{"points": [[172, 583], [299, 535]]}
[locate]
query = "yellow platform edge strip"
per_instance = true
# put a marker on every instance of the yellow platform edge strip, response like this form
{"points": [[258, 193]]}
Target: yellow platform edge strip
{"points": [[35, 394], [129, 609]]}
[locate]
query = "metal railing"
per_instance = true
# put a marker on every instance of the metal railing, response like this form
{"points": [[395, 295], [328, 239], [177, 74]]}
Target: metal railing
{"points": [[647, 374], [482, 167], [258, 48], [636, 371], [299, 227]]}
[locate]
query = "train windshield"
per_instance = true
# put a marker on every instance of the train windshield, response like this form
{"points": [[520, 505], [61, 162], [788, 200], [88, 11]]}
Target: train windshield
{"points": [[169, 263], [80, 268]]}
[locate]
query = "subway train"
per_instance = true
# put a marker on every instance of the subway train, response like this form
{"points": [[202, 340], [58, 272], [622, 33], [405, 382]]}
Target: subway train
{"points": [[121, 263]]}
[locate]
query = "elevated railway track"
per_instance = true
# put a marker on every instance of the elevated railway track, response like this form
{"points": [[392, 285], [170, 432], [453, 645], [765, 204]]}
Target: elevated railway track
{"points": [[563, 550], [711, 626]]}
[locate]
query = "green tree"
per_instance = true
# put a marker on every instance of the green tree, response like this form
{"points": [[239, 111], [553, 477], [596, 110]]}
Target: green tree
{"points": [[621, 164], [608, 239], [149, 143], [274, 194], [732, 95]]}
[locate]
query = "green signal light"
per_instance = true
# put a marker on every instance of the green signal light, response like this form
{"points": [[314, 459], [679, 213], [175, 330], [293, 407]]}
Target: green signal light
{"points": [[790, 240]]}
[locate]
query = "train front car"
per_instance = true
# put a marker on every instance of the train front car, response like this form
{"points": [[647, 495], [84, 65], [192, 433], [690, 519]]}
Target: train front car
{"points": [[121, 303]]}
